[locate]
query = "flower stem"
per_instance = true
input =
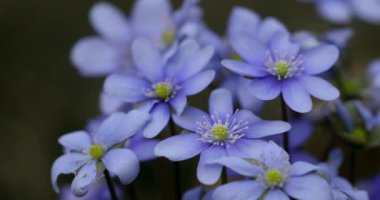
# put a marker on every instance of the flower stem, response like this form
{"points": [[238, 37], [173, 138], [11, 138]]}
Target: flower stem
{"points": [[353, 167], [177, 172], [285, 135], [110, 185], [224, 176], [131, 191]]}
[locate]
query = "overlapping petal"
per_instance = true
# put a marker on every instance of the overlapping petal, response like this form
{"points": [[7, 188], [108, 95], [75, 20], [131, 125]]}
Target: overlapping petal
{"points": [[181, 147], [123, 163]]}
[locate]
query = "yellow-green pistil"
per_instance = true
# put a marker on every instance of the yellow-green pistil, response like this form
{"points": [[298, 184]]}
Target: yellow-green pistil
{"points": [[96, 151], [360, 134], [168, 36], [236, 57], [273, 177], [163, 90], [282, 68], [220, 132]]}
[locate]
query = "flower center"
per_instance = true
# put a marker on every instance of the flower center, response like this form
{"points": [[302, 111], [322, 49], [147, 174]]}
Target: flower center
{"points": [[360, 134], [236, 57], [163, 90], [96, 151], [168, 36], [282, 68], [220, 132], [273, 177], [283, 65]]}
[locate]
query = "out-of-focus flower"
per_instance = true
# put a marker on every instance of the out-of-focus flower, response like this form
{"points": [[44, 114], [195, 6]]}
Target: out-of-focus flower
{"points": [[221, 133], [340, 188], [371, 186], [162, 82], [88, 156], [343, 11], [338, 37], [109, 51], [336, 11], [274, 178], [281, 67], [356, 125], [367, 10], [373, 74]]}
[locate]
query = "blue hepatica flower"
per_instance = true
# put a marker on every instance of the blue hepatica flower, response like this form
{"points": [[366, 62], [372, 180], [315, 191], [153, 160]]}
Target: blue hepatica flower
{"points": [[247, 22], [340, 188], [109, 51], [281, 67], [221, 133], [88, 156], [273, 178], [161, 83], [343, 11]]}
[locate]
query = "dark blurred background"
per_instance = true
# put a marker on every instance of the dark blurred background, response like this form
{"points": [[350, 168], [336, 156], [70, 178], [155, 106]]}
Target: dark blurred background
{"points": [[43, 97]]}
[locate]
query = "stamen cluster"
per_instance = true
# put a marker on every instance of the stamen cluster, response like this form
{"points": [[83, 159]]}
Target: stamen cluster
{"points": [[284, 64], [164, 90], [221, 131]]}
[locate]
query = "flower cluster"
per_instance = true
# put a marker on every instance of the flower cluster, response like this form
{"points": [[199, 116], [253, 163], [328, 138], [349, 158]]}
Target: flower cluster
{"points": [[155, 59]]}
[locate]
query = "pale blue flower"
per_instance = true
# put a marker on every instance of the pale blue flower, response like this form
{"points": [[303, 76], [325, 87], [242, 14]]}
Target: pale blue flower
{"points": [[88, 155], [273, 178], [161, 83], [281, 67]]}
